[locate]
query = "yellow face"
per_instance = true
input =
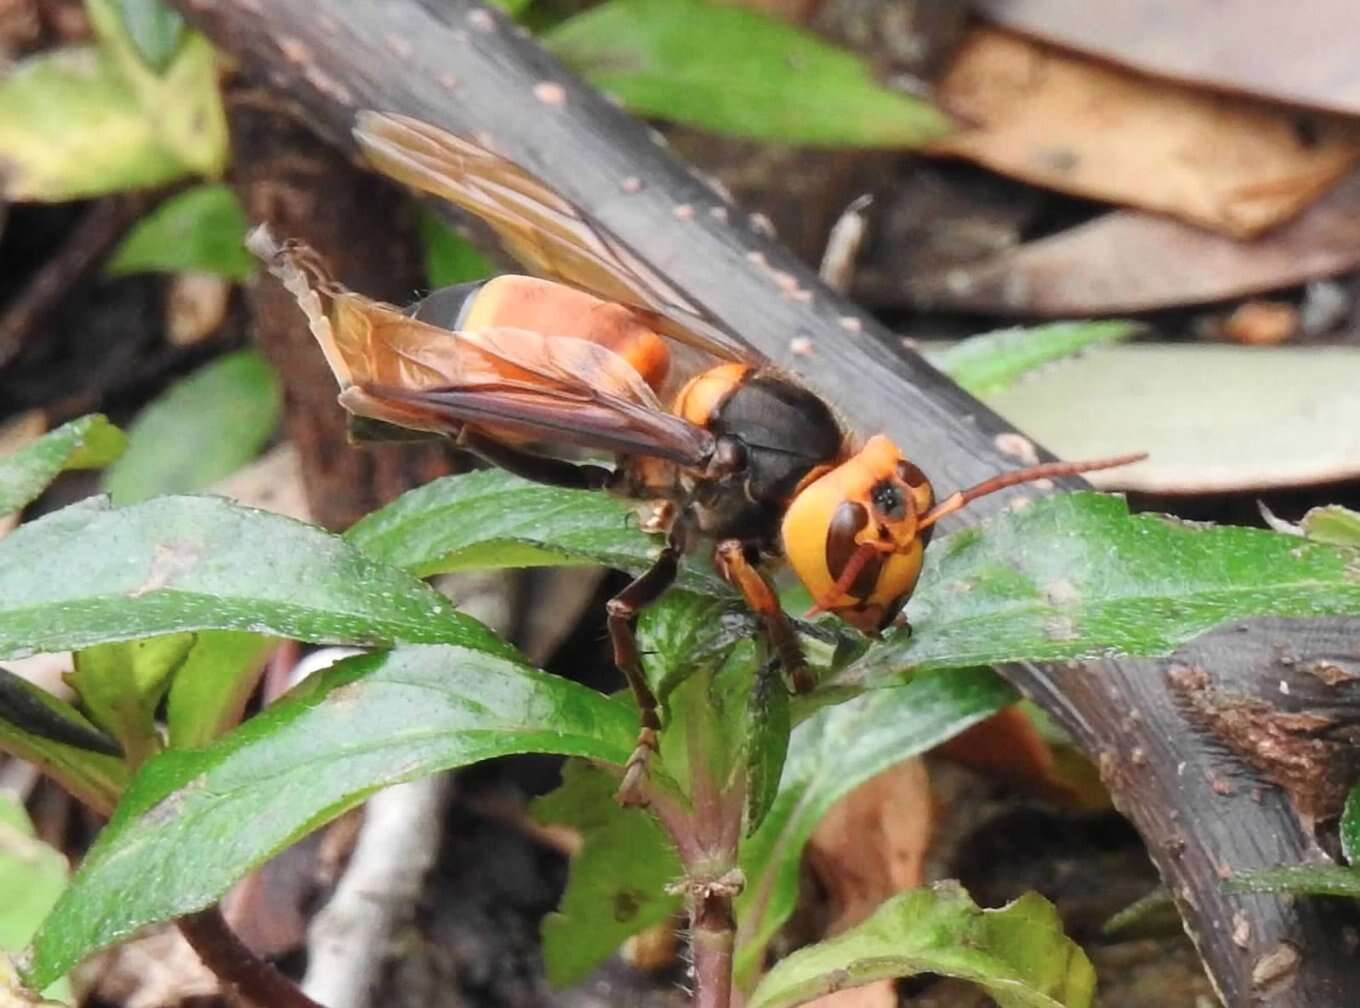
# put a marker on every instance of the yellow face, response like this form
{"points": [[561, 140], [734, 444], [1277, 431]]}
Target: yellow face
{"points": [[852, 535]]}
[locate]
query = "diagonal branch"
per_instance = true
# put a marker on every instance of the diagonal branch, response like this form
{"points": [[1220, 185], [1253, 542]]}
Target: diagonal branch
{"points": [[461, 67]]}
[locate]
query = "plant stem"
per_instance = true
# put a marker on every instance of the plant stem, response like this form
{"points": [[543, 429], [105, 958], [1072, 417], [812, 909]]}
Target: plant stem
{"points": [[713, 879], [236, 966], [712, 937]]}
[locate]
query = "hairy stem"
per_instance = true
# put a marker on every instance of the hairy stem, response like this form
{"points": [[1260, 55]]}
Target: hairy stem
{"points": [[712, 878]]}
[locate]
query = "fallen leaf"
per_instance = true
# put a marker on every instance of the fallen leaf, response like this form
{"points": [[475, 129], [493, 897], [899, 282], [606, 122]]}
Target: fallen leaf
{"points": [[1262, 323], [1275, 50], [1131, 262], [877, 995], [872, 843], [1213, 418], [1008, 747], [273, 482], [1067, 122], [15, 433]]}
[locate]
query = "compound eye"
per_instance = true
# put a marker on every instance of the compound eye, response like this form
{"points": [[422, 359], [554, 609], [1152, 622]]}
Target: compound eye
{"points": [[909, 474]]}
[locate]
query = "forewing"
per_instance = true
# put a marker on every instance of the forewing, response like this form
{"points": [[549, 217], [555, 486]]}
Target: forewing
{"points": [[511, 382], [548, 234], [557, 389]]}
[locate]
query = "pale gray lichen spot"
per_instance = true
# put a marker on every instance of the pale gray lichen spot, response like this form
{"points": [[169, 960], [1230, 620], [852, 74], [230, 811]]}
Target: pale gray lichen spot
{"points": [[631, 184], [294, 50], [481, 20], [1017, 446], [718, 213], [683, 212], [762, 225], [851, 324], [1275, 967], [328, 85], [550, 93], [399, 46], [756, 258]]}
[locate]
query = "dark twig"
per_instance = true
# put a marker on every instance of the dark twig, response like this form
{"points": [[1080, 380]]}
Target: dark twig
{"points": [[469, 70], [236, 966], [85, 248]]}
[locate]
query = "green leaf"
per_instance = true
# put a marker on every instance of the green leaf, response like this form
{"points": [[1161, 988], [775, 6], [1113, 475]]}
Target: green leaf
{"points": [[211, 688], [201, 430], [512, 7], [1334, 524], [89, 120], [155, 29], [89, 574], [491, 519], [734, 71], [193, 821], [768, 724], [200, 229], [992, 361], [70, 127], [830, 754], [1350, 827], [182, 103], [121, 685], [1302, 879], [53, 736], [616, 883], [1149, 916], [32, 876], [1077, 576], [87, 443], [1018, 954], [449, 257]]}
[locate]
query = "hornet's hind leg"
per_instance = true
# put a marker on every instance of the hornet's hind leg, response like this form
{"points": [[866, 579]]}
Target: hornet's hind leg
{"points": [[623, 609]]}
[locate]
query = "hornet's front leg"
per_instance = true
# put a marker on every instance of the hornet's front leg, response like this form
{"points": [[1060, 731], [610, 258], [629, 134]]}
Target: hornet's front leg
{"points": [[623, 609], [736, 562]]}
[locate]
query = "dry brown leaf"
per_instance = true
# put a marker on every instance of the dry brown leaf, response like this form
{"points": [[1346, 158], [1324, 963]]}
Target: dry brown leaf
{"points": [[1284, 51], [154, 970], [872, 842], [875, 995], [868, 847], [1233, 164], [15, 433], [1132, 262], [273, 482], [1214, 418], [1007, 746], [195, 307], [796, 11]]}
